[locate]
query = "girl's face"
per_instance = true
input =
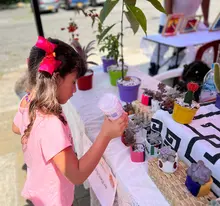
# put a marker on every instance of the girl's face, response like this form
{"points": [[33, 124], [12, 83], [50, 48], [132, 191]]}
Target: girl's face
{"points": [[66, 87]]}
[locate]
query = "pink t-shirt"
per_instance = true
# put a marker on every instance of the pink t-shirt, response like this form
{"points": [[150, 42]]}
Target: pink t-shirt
{"points": [[45, 185]]}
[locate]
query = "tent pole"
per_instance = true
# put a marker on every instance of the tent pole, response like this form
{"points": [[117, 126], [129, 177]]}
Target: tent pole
{"points": [[35, 7]]}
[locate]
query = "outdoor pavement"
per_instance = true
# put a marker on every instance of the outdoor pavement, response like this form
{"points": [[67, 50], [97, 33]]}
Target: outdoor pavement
{"points": [[18, 34]]}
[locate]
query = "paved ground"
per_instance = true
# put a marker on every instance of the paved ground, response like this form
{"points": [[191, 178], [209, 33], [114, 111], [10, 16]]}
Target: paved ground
{"points": [[18, 34]]}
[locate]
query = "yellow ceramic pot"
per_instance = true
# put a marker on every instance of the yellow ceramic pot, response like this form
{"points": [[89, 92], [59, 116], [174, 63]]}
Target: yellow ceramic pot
{"points": [[205, 189], [183, 115]]}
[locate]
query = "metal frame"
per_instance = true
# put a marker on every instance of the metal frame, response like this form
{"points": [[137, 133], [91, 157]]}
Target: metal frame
{"points": [[37, 17]]}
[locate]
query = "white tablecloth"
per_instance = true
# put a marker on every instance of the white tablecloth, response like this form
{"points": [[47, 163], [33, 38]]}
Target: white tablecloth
{"points": [[185, 40], [199, 140], [135, 187]]}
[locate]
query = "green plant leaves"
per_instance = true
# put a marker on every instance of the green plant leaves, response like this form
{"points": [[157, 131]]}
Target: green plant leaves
{"points": [[139, 16], [110, 45], [157, 5], [101, 36], [89, 47], [91, 62], [108, 6], [133, 22], [130, 2]]}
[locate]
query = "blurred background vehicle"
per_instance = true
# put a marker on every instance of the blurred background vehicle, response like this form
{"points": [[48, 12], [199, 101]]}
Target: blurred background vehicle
{"points": [[48, 5], [96, 2], [69, 4]]}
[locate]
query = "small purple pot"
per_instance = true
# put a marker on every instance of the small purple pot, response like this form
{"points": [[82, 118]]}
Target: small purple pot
{"points": [[107, 62], [192, 186], [217, 103], [128, 93]]}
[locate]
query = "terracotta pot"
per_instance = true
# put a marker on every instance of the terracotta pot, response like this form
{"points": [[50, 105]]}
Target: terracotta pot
{"points": [[85, 82]]}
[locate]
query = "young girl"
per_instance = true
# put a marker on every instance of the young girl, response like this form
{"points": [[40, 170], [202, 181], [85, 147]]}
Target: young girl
{"points": [[52, 166]]}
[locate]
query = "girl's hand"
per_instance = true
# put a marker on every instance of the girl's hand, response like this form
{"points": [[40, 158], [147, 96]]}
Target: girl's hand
{"points": [[113, 129]]}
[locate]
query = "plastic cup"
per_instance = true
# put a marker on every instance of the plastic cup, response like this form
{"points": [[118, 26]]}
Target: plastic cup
{"points": [[111, 106]]}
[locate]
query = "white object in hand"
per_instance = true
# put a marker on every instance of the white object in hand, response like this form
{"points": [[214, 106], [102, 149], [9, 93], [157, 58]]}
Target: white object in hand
{"points": [[111, 106]]}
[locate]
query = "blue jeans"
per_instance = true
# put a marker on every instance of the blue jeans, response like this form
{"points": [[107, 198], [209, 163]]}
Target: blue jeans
{"points": [[163, 50], [160, 29]]}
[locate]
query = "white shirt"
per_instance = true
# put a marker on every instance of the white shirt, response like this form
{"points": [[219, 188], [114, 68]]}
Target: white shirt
{"points": [[186, 7]]}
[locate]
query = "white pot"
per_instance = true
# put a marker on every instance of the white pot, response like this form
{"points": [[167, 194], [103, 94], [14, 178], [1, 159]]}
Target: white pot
{"points": [[168, 167], [155, 105], [153, 150]]}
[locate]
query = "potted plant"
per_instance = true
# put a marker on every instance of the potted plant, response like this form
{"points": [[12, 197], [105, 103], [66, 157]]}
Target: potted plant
{"points": [[128, 86], [128, 137], [147, 96], [153, 143], [167, 160], [185, 109], [154, 98], [85, 82], [134, 132], [128, 108], [137, 152], [168, 103], [217, 83], [109, 44], [157, 101], [163, 98], [198, 180]]}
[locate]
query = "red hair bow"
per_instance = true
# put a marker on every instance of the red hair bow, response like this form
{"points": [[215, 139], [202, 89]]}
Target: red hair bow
{"points": [[49, 63]]}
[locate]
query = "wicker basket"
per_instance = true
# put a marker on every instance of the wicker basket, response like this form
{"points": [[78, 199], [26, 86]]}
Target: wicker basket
{"points": [[173, 186]]}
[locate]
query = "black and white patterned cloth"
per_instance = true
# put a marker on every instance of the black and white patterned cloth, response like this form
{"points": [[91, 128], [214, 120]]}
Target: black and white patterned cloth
{"points": [[199, 140]]}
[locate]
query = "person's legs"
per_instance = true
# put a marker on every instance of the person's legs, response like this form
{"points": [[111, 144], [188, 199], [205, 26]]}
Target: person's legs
{"points": [[178, 56], [160, 29], [162, 49]]}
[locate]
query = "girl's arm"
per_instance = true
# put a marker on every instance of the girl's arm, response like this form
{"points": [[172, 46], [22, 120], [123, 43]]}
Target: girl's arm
{"points": [[77, 171], [15, 129]]}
